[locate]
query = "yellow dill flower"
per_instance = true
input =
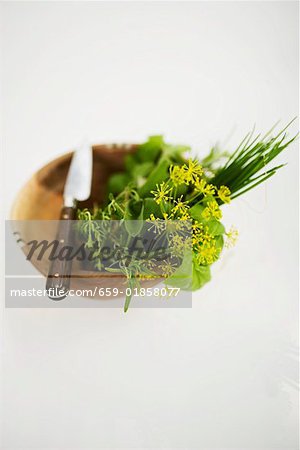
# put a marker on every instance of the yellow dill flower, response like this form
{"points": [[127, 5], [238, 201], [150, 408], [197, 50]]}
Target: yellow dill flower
{"points": [[167, 268], [196, 225], [215, 210], [208, 253], [177, 175], [193, 170], [201, 236], [200, 185], [206, 237], [178, 241], [212, 210], [180, 206], [209, 189], [206, 214], [161, 193], [184, 216], [151, 263], [177, 245], [224, 194], [169, 223], [197, 238], [232, 236], [158, 225]]}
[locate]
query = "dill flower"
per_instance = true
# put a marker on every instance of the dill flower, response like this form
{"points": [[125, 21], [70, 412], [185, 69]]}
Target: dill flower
{"points": [[180, 206], [205, 236], [196, 226], [162, 193], [171, 225], [177, 245], [196, 239], [196, 235], [193, 170], [212, 210], [157, 225], [167, 216], [232, 236], [206, 214], [208, 253], [178, 175], [184, 216], [200, 185], [151, 263], [178, 241], [167, 268], [209, 189], [201, 235], [224, 194]]}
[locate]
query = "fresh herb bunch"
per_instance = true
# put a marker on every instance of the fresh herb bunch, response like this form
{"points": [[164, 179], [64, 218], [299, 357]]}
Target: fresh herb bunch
{"points": [[161, 185]]}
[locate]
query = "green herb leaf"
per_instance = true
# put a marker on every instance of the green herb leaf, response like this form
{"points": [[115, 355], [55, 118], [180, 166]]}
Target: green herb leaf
{"points": [[151, 207], [118, 182], [130, 162], [175, 152], [159, 174], [219, 242], [182, 277], [215, 228], [201, 276], [190, 276], [196, 212], [151, 149], [134, 224], [142, 170]]}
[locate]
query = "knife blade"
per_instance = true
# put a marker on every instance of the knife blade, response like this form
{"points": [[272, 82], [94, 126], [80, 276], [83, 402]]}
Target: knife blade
{"points": [[77, 187], [79, 178]]}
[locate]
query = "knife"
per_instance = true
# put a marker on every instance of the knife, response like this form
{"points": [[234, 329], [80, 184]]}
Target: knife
{"points": [[77, 187]]}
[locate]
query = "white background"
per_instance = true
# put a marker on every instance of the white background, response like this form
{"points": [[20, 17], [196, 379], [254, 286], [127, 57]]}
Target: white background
{"points": [[219, 375]]}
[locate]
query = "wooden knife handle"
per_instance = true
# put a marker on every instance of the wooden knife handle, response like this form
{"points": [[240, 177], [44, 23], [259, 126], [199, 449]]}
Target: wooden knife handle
{"points": [[58, 280]]}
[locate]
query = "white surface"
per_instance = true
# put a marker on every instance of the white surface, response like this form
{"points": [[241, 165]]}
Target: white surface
{"points": [[219, 375]]}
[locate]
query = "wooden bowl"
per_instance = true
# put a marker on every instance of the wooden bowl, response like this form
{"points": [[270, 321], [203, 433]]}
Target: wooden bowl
{"points": [[42, 196]]}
